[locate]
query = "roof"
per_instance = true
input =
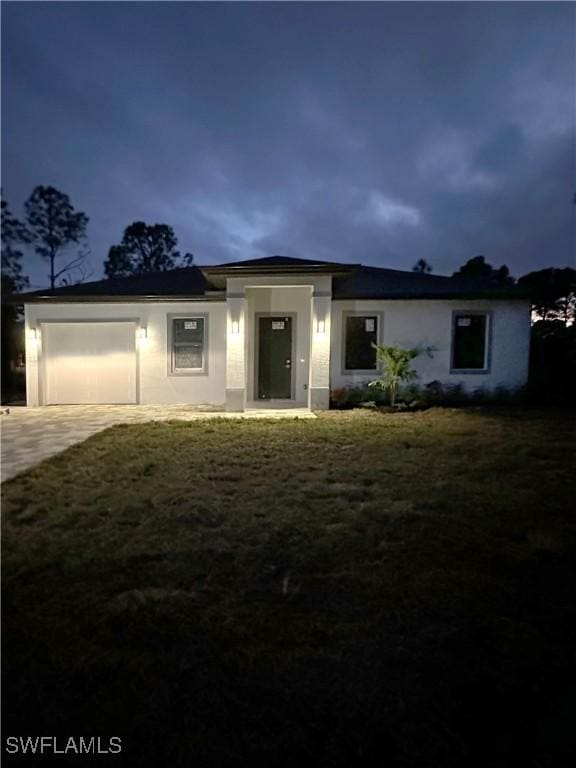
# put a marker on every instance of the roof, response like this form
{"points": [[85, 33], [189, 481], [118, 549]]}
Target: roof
{"points": [[379, 283], [279, 265], [185, 282], [273, 261], [351, 281]]}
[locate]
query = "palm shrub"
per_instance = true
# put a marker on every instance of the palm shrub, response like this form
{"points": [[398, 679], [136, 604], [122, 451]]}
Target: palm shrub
{"points": [[394, 364]]}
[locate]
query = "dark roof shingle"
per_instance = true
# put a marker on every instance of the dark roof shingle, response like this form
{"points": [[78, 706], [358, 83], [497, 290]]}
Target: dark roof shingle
{"points": [[186, 281], [379, 283]]}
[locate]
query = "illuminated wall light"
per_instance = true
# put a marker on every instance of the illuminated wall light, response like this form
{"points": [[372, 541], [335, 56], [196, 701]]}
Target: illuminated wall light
{"points": [[321, 327], [235, 327], [34, 334], [143, 333]]}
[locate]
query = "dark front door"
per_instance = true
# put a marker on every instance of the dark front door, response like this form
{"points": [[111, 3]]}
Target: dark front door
{"points": [[274, 357]]}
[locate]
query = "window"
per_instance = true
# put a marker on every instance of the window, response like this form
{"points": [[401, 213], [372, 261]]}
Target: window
{"points": [[361, 331], [188, 345], [469, 342]]}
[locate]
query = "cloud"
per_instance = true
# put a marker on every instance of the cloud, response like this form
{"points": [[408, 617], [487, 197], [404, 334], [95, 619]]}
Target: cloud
{"points": [[373, 132], [448, 160], [389, 213]]}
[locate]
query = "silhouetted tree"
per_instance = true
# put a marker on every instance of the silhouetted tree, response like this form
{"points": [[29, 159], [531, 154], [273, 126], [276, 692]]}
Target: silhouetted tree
{"points": [[552, 293], [145, 248], [56, 229], [422, 266], [552, 378], [477, 267], [14, 235]]}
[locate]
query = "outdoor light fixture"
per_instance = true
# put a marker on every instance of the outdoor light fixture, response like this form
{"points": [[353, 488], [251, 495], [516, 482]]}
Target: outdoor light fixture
{"points": [[34, 333], [143, 332], [235, 327], [321, 326]]}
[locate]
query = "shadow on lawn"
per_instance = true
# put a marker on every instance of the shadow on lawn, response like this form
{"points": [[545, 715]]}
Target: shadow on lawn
{"points": [[185, 679]]}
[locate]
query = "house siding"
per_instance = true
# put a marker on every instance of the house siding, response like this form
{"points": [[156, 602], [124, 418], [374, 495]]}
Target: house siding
{"points": [[229, 377], [420, 323], [156, 384]]}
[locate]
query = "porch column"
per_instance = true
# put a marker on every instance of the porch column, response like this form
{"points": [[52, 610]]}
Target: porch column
{"points": [[235, 352], [319, 387], [33, 341]]}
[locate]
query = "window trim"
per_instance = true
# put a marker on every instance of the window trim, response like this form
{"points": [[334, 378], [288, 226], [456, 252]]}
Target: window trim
{"points": [[379, 336], [487, 341], [170, 348]]}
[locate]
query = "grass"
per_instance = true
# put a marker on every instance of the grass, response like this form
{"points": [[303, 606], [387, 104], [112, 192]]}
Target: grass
{"points": [[359, 590]]}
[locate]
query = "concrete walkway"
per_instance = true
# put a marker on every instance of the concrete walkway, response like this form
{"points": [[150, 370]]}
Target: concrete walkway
{"points": [[30, 435]]}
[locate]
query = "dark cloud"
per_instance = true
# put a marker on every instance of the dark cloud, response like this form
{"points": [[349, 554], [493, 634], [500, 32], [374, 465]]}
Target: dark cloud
{"points": [[376, 132]]}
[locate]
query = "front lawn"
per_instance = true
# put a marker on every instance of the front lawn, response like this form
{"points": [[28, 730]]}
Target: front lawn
{"points": [[359, 590]]}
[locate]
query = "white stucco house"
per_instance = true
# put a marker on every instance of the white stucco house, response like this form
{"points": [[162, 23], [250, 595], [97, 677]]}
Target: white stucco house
{"points": [[277, 330]]}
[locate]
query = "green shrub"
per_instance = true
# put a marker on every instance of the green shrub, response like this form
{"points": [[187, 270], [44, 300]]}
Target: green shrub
{"points": [[394, 363], [414, 397], [347, 397], [453, 395], [338, 397]]}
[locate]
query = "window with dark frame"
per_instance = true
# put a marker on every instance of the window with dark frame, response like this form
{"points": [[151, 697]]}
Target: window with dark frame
{"points": [[361, 331], [187, 344], [469, 342]]}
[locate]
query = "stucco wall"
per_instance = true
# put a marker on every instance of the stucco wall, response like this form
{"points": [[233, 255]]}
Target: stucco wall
{"points": [[407, 323], [156, 385], [417, 323]]}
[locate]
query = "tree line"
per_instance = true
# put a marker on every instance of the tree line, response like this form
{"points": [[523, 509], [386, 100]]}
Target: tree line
{"points": [[56, 232], [552, 290]]}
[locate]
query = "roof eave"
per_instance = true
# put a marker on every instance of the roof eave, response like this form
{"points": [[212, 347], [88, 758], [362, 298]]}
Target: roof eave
{"points": [[430, 296], [124, 299]]}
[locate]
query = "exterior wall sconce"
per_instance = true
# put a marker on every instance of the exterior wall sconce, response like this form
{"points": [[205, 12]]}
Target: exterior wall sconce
{"points": [[34, 334], [321, 327], [143, 333], [235, 327]]}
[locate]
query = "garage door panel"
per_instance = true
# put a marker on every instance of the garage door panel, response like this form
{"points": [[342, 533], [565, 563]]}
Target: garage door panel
{"points": [[89, 363]]}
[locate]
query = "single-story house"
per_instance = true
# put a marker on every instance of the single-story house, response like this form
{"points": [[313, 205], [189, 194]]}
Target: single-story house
{"points": [[278, 330]]}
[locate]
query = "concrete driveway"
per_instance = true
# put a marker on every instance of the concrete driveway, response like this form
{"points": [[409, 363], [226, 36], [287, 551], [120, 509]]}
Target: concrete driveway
{"points": [[30, 435]]}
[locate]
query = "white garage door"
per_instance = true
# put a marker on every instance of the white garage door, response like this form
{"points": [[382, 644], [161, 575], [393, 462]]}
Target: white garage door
{"points": [[89, 363]]}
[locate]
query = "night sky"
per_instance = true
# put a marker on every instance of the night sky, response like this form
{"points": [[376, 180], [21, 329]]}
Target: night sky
{"points": [[371, 132]]}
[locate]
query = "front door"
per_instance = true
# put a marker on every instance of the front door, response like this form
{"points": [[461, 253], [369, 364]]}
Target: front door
{"points": [[274, 357]]}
